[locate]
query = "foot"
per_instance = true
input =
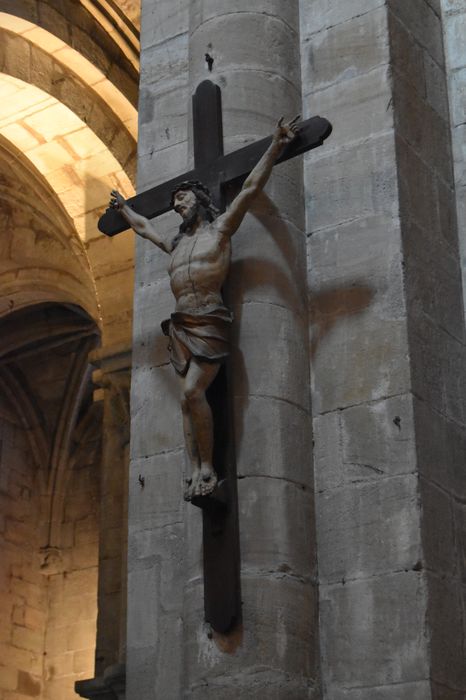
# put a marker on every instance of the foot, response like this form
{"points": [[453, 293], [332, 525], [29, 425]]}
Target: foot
{"points": [[192, 485], [207, 480]]}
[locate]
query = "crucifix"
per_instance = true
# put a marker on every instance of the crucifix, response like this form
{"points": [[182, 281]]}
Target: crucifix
{"points": [[198, 330]]}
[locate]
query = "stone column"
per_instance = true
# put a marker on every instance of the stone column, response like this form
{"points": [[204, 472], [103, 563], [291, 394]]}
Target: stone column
{"points": [[113, 380], [171, 652], [388, 360], [256, 62]]}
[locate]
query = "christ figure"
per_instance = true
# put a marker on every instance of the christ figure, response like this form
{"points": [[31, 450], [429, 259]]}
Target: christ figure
{"points": [[198, 330]]}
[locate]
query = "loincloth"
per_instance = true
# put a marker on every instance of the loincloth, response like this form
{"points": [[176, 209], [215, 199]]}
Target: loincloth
{"points": [[204, 334]]}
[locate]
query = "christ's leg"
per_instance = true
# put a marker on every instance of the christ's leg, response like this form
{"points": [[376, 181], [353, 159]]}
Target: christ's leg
{"points": [[198, 378], [191, 449]]}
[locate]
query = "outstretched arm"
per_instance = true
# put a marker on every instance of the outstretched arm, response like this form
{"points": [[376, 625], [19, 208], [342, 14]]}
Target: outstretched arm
{"points": [[140, 225], [229, 222]]}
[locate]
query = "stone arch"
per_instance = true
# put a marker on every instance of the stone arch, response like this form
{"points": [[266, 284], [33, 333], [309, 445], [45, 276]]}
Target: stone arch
{"points": [[95, 29], [33, 55], [77, 172]]}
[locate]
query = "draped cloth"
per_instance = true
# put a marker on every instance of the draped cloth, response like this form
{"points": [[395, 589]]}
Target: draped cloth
{"points": [[203, 334]]}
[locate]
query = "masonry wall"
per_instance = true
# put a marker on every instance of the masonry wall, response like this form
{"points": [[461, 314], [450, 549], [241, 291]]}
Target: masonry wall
{"points": [[22, 591], [387, 352], [47, 629], [71, 592]]}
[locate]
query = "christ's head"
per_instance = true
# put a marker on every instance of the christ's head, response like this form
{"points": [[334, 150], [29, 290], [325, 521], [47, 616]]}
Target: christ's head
{"points": [[192, 201]]}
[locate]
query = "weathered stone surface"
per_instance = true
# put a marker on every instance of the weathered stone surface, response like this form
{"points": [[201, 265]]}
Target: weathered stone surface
{"points": [[426, 26], [398, 691], [158, 433], [356, 197], [264, 446], [287, 348], [281, 538], [324, 14], [380, 636], [275, 654], [447, 627], [377, 530], [346, 50]]}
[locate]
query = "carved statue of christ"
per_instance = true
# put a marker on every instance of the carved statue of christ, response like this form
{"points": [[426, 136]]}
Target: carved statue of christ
{"points": [[199, 328]]}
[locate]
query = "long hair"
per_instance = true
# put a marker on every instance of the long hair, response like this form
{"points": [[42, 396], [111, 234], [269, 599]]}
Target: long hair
{"points": [[206, 208]]}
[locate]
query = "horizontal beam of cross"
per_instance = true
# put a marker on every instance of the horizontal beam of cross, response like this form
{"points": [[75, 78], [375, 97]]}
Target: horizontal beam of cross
{"points": [[225, 169]]}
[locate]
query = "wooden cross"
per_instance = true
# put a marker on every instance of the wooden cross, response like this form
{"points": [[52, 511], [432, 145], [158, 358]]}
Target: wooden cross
{"points": [[211, 167], [222, 174]]}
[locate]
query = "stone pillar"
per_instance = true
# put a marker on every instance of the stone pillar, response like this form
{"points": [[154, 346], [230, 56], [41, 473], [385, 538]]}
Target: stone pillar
{"points": [[113, 378], [256, 63], [171, 652], [388, 360]]}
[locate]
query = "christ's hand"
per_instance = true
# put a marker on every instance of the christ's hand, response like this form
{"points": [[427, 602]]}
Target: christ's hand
{"points": [[117, 201], [285, 133]]}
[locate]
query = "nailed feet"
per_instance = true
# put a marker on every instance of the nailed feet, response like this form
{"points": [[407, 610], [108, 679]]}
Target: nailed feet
{"points": [[202, 482]]}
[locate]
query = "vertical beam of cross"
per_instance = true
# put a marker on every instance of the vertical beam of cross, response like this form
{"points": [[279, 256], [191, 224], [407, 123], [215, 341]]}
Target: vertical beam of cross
{"points": [[222, 602]]}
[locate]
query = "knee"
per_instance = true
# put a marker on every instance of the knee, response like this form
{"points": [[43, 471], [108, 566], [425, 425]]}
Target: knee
{"points": [[192, 394]]}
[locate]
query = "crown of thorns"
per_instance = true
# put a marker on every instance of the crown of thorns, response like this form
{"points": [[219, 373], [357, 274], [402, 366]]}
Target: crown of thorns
{"points": [[200, 190]]}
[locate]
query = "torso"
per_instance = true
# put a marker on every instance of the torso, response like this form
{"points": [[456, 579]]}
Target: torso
{"points": [[198, 268]]}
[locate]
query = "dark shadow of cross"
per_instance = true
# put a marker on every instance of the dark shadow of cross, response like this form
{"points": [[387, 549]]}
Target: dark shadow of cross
{"points": [[211, 167]]}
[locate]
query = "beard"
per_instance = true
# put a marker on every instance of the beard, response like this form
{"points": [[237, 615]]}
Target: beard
{"points": [[188, 223]]}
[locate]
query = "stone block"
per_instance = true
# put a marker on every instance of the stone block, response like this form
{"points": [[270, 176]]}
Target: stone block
{"points": [[324, 14], [358, 197], [438, 530], [279, 377], [28, 684], [420, 690], [203, 11], [59, 665], [167, 115], [163, 21], [278, 636], [276, 527], [445, 622], [156, 669], [159, 500], [346, 50], [455, 29], [360, 360], [250, 40], [457, 94], [368, 529], [407, 56], [164, 66], [27, 639], [437, 368], [155, 303], [251, 105], [273, 438], [157, 167], [80, 635], [355, 107], [364, 443], [83, 661], [423, 129], [8, 678], [440, 302], [424, 23], [156, 412], [373, 631], [436, 87], [268, 265]]}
